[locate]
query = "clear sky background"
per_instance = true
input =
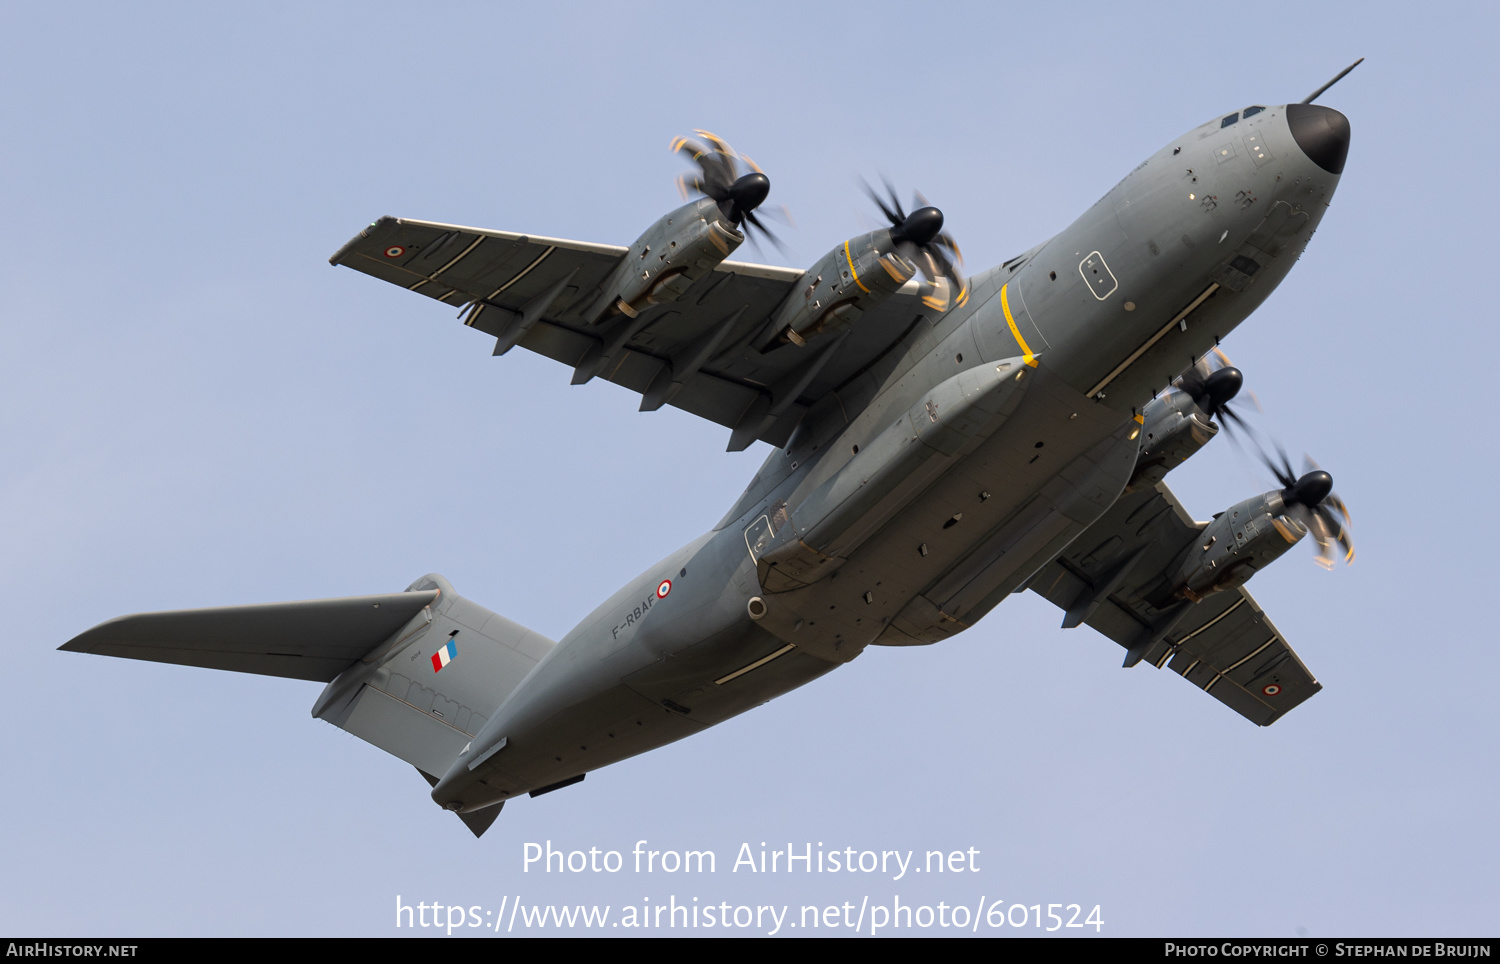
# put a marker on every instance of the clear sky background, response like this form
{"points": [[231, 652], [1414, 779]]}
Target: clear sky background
{"points": [[197, 410]]}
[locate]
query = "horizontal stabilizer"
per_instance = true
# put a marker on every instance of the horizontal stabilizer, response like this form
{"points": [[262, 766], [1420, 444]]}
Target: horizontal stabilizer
{"points": [[312, 640]]}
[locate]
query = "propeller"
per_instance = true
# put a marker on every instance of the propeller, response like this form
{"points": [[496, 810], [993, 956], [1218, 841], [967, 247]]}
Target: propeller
{"points": [[1311, 502], [919, 238], [1213, 382], [720, 179]]}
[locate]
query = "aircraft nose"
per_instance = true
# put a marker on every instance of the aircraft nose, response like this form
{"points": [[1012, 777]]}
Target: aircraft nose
{"points": [[1322, 133]]}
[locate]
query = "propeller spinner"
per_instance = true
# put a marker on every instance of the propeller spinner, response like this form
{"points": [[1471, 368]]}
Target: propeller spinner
{"points": [[1311, 502], [1213, 382], [919, 238]]}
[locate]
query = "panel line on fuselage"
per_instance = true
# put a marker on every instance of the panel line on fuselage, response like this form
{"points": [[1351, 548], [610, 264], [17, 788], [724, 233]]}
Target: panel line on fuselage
{"points": [[755, 665], [1153, 340]]}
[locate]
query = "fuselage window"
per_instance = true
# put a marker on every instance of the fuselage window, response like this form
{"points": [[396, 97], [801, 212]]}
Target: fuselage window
{"points": [[1252, 111], [1229, 120]]}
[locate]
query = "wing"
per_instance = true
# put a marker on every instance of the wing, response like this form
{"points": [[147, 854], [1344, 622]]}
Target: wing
{"points": [[313, 640], [693, 354], [1225, 644]]}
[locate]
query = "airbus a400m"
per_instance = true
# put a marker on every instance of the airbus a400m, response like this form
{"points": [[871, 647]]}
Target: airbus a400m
{"points": [[939, 443]]}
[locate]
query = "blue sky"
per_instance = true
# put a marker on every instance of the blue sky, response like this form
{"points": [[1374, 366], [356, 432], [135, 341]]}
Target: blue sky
{"points": [[197, 410]]}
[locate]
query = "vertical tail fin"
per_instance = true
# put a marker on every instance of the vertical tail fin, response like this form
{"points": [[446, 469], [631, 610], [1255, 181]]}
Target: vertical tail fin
{"points": [[426, 691]]}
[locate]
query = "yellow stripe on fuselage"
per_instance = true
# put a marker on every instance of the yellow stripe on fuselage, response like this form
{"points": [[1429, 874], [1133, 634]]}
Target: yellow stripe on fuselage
{"points": [[1026, 354], [855, 274]]}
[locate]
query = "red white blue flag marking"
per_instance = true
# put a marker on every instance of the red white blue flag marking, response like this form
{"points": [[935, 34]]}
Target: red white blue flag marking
{"points": [[444, 655], [663, 589]]}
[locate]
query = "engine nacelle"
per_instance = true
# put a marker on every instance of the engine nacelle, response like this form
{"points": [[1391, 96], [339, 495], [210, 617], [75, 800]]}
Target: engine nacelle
{"points": [[1240, 542], [669, 257], [1174, 429], [843, 284]]}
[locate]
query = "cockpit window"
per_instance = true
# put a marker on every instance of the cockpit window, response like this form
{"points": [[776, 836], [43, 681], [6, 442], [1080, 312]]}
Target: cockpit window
{"points": [[1229, 120], [1252, 111]]}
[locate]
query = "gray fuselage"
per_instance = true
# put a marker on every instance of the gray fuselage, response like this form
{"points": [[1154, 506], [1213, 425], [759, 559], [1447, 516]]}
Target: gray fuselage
{"points": [[1008, 426]]}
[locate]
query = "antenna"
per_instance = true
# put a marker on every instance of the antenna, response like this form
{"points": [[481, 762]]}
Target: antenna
{"points": [[1315, 94]]}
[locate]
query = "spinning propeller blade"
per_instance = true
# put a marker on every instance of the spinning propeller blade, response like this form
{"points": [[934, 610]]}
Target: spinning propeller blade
{"points": [[919, 238], [1311, 502], [719, 178], [1213, 382]]}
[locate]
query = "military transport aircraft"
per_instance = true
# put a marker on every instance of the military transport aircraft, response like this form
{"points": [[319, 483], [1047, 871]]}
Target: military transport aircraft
{"points": [[940, 443]]}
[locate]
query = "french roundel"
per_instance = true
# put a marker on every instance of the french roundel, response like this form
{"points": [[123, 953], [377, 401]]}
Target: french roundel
{"points": [[1271, 690], [394, 251], [663, 589]]}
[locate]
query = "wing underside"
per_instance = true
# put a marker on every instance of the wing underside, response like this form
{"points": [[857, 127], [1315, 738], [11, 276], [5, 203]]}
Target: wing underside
{"points": [[693, 354], [1225, 645]]}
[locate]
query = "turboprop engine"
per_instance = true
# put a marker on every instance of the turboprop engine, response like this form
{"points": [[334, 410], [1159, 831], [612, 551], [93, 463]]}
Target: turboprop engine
{"points": [[847, 281], [1252, 534], [672, 254], [688, 243], [1179, 423]]}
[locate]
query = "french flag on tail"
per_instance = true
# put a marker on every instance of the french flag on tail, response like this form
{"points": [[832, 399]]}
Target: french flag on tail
{"points": [[445, 655]]}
